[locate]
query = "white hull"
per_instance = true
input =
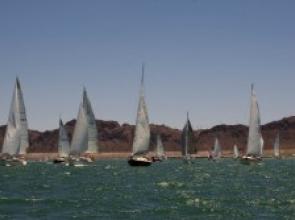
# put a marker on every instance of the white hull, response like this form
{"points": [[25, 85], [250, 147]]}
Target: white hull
{"points": [[249, 159], [139, 161]]}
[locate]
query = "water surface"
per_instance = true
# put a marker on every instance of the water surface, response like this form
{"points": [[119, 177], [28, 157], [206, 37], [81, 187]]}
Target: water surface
{"points": [[110, 189]]}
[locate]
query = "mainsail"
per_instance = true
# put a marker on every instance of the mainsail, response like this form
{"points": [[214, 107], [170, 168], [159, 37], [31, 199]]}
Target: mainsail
{"points": [[187, 138], [16, 140], [85, 133], [160, 148], [236, 151], [255, 141], [276, 146], [217, 149], [63, 141], [141, 139]]}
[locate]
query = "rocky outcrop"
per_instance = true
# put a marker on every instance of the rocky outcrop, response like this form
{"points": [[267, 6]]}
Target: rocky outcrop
{"points": [[113, 137]]}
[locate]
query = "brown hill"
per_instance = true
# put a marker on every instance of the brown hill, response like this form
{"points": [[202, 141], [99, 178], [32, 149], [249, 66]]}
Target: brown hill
{"points": [[114, 137]]}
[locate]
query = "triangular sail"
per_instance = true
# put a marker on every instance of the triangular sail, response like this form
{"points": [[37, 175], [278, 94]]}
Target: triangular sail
{"points": [[16, 140], [92, 129], [255, 141], [217, 149], [276, 146], [63, 141], [141, 139], [85, 132], [160, 148], [236, 151], [187, 139]]}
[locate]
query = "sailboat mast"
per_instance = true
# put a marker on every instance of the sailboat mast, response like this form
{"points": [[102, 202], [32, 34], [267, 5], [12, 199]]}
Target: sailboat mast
{"points": [[186, 135]]}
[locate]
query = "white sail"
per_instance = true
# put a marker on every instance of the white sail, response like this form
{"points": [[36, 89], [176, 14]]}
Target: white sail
{"points": [[63, 141], [255, 141], [85, 132], [187, 139], [160, 148], [16, 140], [276, 146], [141, 139], [261, 144], [92, 129], [236, 151], [217, 149]]}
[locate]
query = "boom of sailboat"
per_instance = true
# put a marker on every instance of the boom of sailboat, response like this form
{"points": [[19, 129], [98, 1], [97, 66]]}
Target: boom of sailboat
{"points": [[84, 142]]}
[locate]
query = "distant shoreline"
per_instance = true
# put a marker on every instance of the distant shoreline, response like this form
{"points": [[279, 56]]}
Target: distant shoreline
{"points": [[170, 154]]}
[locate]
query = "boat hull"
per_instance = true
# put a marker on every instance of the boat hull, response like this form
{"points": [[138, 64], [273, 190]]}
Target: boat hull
{"points": [[250, 159], [60, 160], [13, 162], [80, 161], [140, 161]]}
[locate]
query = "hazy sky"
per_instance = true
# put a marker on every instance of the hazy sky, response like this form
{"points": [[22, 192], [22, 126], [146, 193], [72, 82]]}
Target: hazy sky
{"points": [[201, 56]]}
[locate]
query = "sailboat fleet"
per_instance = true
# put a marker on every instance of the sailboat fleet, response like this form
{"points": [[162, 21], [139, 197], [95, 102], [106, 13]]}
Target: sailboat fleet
{"points": [[84, 146]]}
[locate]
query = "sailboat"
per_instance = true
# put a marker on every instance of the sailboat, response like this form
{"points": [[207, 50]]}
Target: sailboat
{"points": [[236, 152], [63, 145], [160, 154], [141, 141], [84, 141], [276, 146], [255, 140], [187, 140], [216, 153], [16, 139]]}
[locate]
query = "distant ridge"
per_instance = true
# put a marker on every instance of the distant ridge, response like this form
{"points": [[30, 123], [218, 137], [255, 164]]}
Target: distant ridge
{"points": [[114, 137]]}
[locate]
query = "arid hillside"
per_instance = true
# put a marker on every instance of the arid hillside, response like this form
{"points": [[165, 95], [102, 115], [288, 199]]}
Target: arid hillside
{"points": [[113, 137]]}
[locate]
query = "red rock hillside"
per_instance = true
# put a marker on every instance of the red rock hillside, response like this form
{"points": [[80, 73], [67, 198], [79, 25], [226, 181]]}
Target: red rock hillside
{"points": [[113, 137]]}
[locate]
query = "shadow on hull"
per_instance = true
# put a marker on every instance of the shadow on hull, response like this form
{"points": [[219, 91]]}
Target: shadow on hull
{"points": [[139, 161], [247, 160]]}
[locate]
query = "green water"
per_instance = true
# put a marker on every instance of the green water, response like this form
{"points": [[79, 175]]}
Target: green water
{"points": [[110, 189]]}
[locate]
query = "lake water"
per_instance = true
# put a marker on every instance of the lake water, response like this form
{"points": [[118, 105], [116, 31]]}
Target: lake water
{"points": [[110, 189]]}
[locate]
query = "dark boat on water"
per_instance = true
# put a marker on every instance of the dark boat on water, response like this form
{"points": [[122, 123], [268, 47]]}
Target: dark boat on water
{"points": [[60, 160]]}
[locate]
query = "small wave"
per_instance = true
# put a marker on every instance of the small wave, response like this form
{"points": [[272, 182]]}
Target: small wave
{"points": [[108, 167], [173, 184], [33, 199], [163, 184], [291, 201], [46, 186], [193, 202]]}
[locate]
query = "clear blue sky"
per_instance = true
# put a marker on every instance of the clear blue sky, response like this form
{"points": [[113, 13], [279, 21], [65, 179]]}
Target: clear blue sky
{"points": [[200, 55]]}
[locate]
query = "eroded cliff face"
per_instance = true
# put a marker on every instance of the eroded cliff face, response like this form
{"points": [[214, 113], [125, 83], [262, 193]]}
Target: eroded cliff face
{"points": [[113, 137]]}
